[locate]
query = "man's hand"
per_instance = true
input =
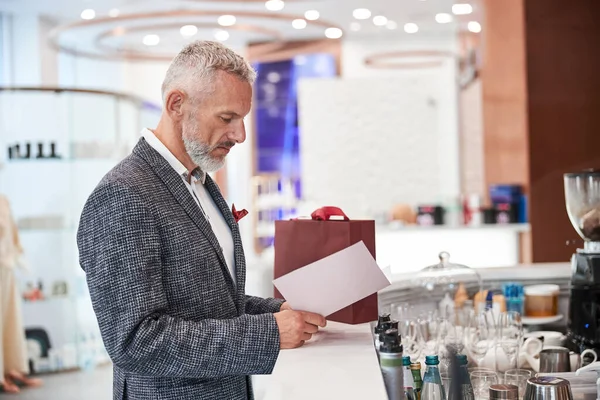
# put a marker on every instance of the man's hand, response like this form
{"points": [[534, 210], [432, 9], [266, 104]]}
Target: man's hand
{"points": [[296, 327], [285, 306]]}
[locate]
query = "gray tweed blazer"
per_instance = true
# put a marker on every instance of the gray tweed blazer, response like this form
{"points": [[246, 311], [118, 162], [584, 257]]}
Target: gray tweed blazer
{"points": [[172, 320]]}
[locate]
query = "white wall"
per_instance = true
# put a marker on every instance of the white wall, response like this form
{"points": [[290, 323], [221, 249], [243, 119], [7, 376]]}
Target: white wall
{"points": [[445, 95], [367, 144]]}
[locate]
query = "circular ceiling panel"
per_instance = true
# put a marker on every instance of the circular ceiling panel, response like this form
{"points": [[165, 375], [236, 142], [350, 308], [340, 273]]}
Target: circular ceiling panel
{"points": [[155, 36]]}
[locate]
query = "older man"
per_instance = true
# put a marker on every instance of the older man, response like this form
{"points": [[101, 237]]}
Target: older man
{"points": [[163, 255]]}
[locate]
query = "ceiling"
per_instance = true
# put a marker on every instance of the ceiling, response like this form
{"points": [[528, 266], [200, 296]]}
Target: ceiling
{"points": [[108, 34]]}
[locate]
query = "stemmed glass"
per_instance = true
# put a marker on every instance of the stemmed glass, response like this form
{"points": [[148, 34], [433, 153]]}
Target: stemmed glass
{"points": [[409, 330], [481, 335], [510, 335], [427, 327], [450, 341]]}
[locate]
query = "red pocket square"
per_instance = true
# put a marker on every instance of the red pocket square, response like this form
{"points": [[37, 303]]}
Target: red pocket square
{"points": [[238, 214]]}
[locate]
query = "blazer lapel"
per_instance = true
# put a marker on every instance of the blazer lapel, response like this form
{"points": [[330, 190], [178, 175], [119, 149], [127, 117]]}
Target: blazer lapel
{"points": [[240, 259], [177, 187]]}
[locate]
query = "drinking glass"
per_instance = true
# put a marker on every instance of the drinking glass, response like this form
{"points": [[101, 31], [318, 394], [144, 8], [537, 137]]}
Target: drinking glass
{"points": [[480, 336], [413, 345], [446, 379], [518, 377], [427, 328], [482, 379], [510, 335]]}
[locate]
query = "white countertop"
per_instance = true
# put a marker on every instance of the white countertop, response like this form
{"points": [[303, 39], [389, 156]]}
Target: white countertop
{"points": [[519, 272], [340, 362]]}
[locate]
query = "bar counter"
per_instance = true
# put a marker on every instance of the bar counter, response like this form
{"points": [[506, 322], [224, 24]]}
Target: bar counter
{"points": [[339, 362]]}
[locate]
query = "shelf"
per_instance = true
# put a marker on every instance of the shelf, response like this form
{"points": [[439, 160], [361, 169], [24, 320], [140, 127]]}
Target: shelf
{"points": [[391, 227]]}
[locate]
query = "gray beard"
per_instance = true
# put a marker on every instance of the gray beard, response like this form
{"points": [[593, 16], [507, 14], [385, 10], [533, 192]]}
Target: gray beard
{"points": [[200, 155]]}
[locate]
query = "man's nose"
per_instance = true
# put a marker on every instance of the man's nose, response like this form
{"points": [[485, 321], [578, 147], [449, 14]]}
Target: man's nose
{"points": [[239, 133]]}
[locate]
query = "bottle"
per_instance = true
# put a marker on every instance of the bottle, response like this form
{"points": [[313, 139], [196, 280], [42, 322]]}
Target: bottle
{"points": [[409, 382], [383, 318], [415, 368], [432, 381], [390, 359], [384, 327], [466, 388]]}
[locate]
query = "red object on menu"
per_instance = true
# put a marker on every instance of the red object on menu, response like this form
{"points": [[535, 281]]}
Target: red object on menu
{"points": [[301, 242]]}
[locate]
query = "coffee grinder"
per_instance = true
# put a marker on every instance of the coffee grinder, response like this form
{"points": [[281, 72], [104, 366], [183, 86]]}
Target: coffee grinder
{"points": [[582, 194]]}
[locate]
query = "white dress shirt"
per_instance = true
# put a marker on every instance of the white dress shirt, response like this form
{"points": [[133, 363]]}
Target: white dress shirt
{"points": [[201, 196]]}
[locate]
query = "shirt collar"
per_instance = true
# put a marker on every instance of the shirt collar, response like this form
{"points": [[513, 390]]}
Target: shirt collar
{"points": [[197, 174]]}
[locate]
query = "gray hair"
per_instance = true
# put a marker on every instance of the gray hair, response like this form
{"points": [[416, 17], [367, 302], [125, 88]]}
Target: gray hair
{"points": [[197, 64]]}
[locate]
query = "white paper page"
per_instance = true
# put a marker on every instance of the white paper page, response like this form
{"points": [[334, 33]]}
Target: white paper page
{"points": [[333, 282]]}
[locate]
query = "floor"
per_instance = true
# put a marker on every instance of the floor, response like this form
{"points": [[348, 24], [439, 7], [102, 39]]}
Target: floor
{"points": [[94, 385]]}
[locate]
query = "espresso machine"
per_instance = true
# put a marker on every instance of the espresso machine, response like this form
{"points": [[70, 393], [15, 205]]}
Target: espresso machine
{"points": [[582, 194]]}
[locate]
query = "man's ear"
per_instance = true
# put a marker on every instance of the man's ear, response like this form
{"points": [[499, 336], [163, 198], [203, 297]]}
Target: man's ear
{"points": [[174, 104]]}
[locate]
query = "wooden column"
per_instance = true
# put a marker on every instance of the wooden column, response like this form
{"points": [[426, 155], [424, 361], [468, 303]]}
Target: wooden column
{"points": [[541, 101], [505, 94], [563, 85]]}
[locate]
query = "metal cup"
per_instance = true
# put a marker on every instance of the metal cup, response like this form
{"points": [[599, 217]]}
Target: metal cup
{"points": [[555, 360], [548, 388], [504, 392]]}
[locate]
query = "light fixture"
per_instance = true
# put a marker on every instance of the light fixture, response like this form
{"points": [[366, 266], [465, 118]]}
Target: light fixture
{"points": [[474, 26], [299, 24], [221, 35], [411, 28], [274, 5], [391, 25], [188, 30], [114, 13], [226, 20], [312, 15], [443, 18], [151, 40], [462, 9], [333, 33], [355, 26], [361, 13], [88, 14], [380, 20]]}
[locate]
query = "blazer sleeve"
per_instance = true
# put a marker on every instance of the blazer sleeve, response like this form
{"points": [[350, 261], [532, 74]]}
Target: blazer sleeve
{"points": [[120, 251], [258, 305]]}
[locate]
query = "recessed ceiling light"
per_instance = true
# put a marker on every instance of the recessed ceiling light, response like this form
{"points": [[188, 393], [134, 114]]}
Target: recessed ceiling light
{"points": [[380, 20], [114, 13], [355, 26], [151, 40], [312, 15], [88, 14], [299, 24], [411, 28], [361, 13], [275, 5], [474, 26], [443, 18], [333, 33], [462, 9], [391, 25], [226, 20], [221, 35], [188, 30]]}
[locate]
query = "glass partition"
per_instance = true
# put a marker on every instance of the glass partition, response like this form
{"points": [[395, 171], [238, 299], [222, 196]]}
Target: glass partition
{"points": [[56, 146]]}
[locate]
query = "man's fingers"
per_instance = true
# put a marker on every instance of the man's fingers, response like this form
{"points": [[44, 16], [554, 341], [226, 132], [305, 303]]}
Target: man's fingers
{"points": [[314, 319], [310, 328], [306, 337]]}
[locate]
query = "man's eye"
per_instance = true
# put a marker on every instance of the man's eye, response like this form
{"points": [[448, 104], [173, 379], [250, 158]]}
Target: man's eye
{"points": [[226, 120]]}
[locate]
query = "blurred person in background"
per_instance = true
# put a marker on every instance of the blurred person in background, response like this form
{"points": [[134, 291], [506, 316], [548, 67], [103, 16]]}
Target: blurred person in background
{"points": [[13, 346]]}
